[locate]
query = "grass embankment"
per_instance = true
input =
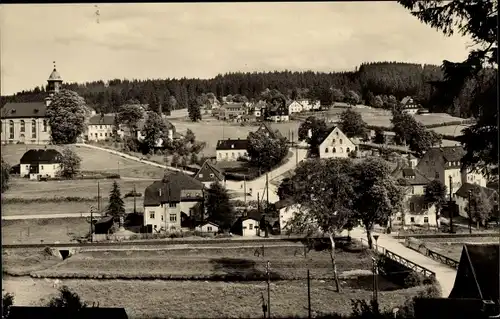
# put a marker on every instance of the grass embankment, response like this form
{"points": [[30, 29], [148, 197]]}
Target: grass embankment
{"points": [[198, 299], [238, 264], [23, 262]]}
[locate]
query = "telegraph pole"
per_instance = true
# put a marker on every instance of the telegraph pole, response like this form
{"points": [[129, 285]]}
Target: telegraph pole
{"points": [[245, 189], [309, 294], [450, 209], [375, 280], [267, 189], [135, 211], [98, 197], [470, 214], [268, 271]]}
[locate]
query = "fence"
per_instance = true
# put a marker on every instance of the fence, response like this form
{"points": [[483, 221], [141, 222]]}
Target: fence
{"points": [[420, 247], [401, 260]]}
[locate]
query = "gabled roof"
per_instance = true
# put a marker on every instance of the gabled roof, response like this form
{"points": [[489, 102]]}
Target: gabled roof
{"points": [[412, 175], [330, 131], [102, 120], [41, 156], [232, 144], [171, 186], [207, 222], [463, 191], [284, 203], [448, 153], [207, 165], [406, 99], [478, 273], [27, 109], [234, 105], [268, 128]]}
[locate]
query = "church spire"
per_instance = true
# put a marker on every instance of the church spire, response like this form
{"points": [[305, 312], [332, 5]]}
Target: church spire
{"points": [[54, 82]]}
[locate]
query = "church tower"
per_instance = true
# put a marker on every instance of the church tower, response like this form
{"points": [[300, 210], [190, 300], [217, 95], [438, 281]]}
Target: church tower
{"points": [[54, 82]]}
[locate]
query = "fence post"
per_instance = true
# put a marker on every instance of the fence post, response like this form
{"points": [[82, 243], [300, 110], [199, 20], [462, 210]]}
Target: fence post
{"points": [[309, 294]]}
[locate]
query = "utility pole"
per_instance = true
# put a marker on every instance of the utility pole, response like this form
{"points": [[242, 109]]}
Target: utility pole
{"points": [[135, 211], [375, 280], [245, 189], [267, 190], [309, 294], [98, 197], [450, 208], [268, 271], [470, 213], [91, 222], [118, 167], [258, 204]]}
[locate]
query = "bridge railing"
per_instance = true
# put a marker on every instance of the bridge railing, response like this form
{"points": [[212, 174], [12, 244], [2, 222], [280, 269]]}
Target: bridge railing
{"points": [[442, 258], [400, 259]]}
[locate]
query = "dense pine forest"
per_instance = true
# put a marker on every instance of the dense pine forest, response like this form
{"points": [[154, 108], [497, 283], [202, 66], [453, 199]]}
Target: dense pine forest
{"points": [[370, 80]]}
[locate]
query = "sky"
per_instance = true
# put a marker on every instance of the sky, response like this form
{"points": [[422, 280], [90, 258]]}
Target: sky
{"points": [[201, 40]]}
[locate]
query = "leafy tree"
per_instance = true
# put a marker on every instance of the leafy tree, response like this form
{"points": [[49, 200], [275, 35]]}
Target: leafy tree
{"points": [[219, 207], [66, 114], [478, 21], [116, 207], [352, 124], [70, 163], [175, 160], [184, 161], [5, 175], [413, 133], [194, 110], [193, 159], [130, 115], [154, 130], [295, 94], [7, 302], [435, 194], [377, 195], [67, 299], [481, 206], [379, 137], [285, 189], [370, 98], [189, 136], [323, 188], [264, 151], [391, 102], [377, 102], [338, 95], [318, 131], [352, 98]]}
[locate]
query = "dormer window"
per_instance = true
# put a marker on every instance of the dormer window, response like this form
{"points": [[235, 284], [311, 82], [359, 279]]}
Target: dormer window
{"points": [[13, 111], [36, 111]]}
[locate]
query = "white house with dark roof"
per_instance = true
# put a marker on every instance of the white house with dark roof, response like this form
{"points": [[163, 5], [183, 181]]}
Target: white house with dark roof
{"points": [[171, 200], [336, 145], [461, 197], [208, 227], [38, 163], [231, 149], [100, 127], [409, 106], [415, 210], [27, 122], [295, 107], [209, 173]]}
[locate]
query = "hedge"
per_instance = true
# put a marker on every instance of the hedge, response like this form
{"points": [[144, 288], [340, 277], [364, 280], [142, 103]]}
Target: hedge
{"points": [[55, 199]]}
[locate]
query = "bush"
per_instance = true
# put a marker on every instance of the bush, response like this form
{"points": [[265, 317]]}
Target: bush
{"points": [[414, 279]]}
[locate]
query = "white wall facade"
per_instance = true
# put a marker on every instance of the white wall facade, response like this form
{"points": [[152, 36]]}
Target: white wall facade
{"points": [[336, 145], [285, 215], [230, 155], [99, 132], [208, 228], [167, 217], [295, 107], [250, 227], [25, 130]]}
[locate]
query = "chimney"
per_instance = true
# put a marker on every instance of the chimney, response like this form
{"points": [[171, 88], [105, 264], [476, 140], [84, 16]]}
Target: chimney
{"points": [[232, 145], [159, 192]]}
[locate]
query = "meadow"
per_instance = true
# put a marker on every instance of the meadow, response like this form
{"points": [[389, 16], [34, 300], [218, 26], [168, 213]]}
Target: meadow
{"points": [[452, 247], [199, 299]]}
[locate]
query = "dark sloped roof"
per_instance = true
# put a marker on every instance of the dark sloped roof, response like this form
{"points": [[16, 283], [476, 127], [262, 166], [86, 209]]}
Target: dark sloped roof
{"points": [[284, 203], [412, 175], [268, 128], [207, 165], [55, 76], [41, 156], [27, 109], [478, 273], [463, 191], [171, 186], [102, 120], [230, 144], [449, 153]]}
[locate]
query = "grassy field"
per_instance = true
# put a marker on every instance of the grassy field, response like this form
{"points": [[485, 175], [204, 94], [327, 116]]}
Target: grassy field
{"points": [[206, 263], [92, 160], [452, 247], [455, 130], [32, 231], [198, 299]]}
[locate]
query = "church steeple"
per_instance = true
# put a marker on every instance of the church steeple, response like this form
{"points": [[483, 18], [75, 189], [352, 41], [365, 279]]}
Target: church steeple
{"points": [[54, 82]]}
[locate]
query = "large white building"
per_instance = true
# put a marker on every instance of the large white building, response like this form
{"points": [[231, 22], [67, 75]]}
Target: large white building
{"points": [[27, 122], [336, 144], [40, 163], [231, 149], [100, 127]]}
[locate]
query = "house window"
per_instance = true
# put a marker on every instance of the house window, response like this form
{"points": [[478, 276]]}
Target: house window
{"points": [[250, 226], [220, 155], [232, 154], [33, 129], [161, 217], [172, 205], [105, 134], [11, 129], [426, 220], [337, 133], [22, 126], [412, 207], [398, 218], [348, 150], [100, 127], [152, 215], [326, 150], [333, 141], [340, 150], [413, 190], [209, 228], [173, 218], [41, 167], [333, 150], [100, 134], [412, 219], [45, 125], [340, 141], [200, 175], [212, 175]]}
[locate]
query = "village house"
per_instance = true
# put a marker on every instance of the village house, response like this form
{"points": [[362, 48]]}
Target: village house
{"points": [[286, 208], [268, 131], [40, 163], [308, 106], [336, 144], [415, 210], [231, 111], [209, 174], [409, 106], [442, 162], [208, 227], [461, 197], [231, 149], [277, 112], [139, 134], [171, 200], [101, 127], [294, 107]]}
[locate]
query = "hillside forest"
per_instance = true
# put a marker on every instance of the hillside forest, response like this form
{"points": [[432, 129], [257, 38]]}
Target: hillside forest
{"points": [[378, 84]]}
